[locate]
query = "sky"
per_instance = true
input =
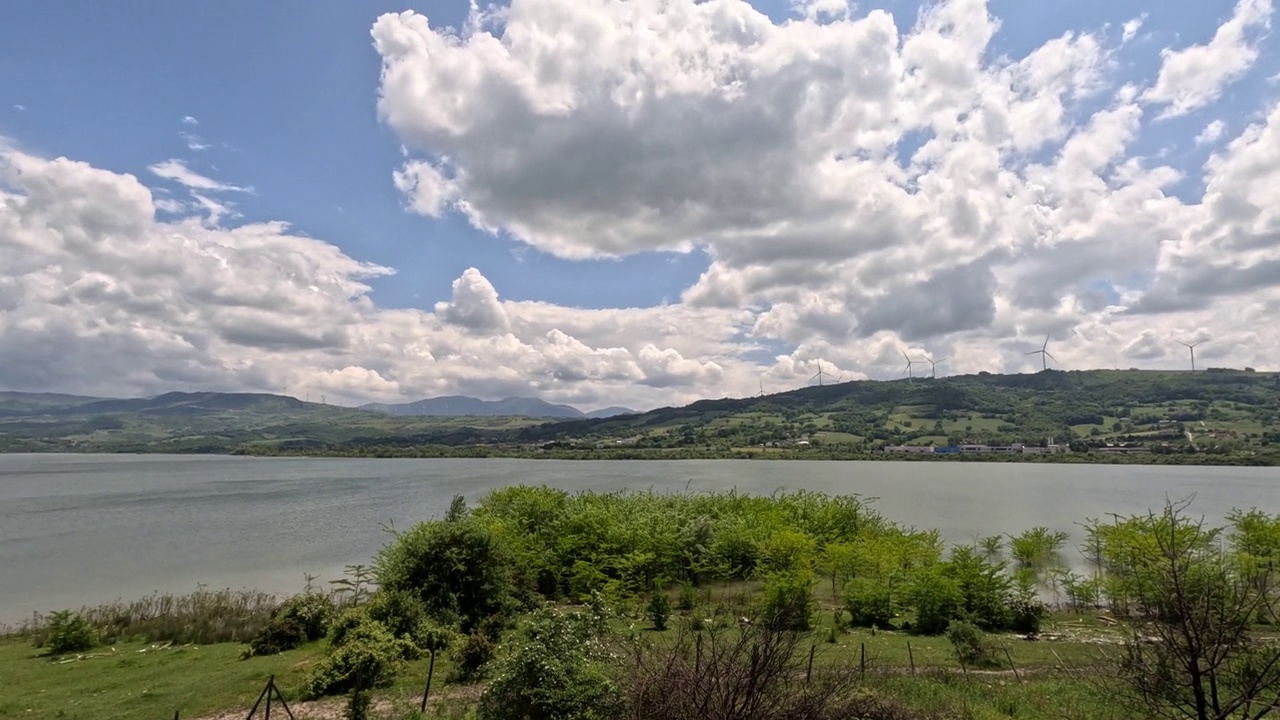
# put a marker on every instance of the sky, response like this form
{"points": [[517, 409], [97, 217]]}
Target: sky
{"points": [[629, 202]]}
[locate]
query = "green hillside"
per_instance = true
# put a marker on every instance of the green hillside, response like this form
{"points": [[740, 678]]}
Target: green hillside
{"points": [[1222, 411], [213, 423], [1213, 416]]}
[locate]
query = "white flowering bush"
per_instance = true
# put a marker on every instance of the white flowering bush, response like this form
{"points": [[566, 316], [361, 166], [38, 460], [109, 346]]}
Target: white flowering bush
{"points": [[556, 668]]}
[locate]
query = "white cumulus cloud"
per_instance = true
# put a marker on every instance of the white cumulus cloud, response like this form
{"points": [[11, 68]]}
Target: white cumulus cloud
{"points": [[1195, 76]]}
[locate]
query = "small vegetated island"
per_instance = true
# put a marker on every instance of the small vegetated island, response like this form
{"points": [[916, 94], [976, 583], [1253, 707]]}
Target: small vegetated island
{"points": [[541, 604]]}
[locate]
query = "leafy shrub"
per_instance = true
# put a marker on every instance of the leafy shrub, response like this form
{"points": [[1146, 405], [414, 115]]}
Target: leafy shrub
{"points": [[301, 619], [554, 671], [984, 588], [367, 656], [279, 635], [970, 643], [312, 611], [1026, 613], [70, 632], [659, 610], [868, 603], [788, 600], [457, 569], [688, 598], [400, 611], [471, 658], [937, 600]]}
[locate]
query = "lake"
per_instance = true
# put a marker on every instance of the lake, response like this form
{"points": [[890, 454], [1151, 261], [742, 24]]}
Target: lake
{"points": [[77, 529]]}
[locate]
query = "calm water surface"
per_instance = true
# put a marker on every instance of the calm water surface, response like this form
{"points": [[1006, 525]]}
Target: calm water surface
{"points": [[78, 529]]}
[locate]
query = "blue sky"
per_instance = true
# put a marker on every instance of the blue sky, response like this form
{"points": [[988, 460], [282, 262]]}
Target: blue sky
{"points": [[283, 98], [284, 95]]}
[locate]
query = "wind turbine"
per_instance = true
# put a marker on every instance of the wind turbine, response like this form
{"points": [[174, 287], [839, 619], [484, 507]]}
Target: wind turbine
{"points": [[933, 365], [761, 394], [907, 370], [818, 374], [1043, 352], [1192, 348]]}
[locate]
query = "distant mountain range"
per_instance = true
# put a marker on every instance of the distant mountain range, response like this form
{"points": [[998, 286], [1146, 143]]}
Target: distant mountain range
{"points": [[463, 406], [18, 404]]}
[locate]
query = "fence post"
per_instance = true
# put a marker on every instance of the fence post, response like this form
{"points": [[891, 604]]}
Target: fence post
{"points": [[1062, 664], [431, 669], [911, 657], [862, 660], [1015, 667], [808, 675]]}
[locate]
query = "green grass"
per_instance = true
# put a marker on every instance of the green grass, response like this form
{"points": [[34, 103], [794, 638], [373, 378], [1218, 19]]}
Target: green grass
{"points": [[139, 681], [135, 680]]}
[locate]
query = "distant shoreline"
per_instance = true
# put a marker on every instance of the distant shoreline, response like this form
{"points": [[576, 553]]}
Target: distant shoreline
{"points": [[479, 452]]}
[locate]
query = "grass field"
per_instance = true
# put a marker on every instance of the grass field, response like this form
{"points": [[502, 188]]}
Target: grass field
{"points": [[136, 681], [140, 681]]}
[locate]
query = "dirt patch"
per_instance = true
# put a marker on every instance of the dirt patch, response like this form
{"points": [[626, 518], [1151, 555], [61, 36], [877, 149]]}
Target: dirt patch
{"points": [[332, 708]]}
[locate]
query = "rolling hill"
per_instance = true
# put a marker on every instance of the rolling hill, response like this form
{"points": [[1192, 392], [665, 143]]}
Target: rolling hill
{"points": [[1218, 411], [1222, 410], [463, 406]]}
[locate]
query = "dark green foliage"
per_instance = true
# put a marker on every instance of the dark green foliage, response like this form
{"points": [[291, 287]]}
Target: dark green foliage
{"points": [[970, 643], [985, 588], [659, 610], [367, 656], [458, 510], [301, 619], [277, 636], [69, 632], [554, 670], [788, 601], [688, 598], [868, 603], [358, 709], [402, 611], [937, 600], [459, 570], [471, 658]]}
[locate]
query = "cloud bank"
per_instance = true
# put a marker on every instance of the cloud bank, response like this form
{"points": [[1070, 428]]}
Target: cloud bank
{"points": [[859, 192]]}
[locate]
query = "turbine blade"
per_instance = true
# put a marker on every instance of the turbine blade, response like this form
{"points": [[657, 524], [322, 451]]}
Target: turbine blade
{"points": [[1034, 352], [1051, 357]]}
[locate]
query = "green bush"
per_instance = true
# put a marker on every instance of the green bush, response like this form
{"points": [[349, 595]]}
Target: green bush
{"points": [[788, 601], [868, 603], [970, 643], [937, 600], [688, 598], [659, 610], [554, 671], [69, 632], [400, 611], [312, 611], [368, 656], [458, 569], [471, 658], [277, 636], [301, 619]]}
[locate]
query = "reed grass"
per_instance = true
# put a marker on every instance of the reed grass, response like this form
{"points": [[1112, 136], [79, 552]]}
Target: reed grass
{"points": [[202, 617]]}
